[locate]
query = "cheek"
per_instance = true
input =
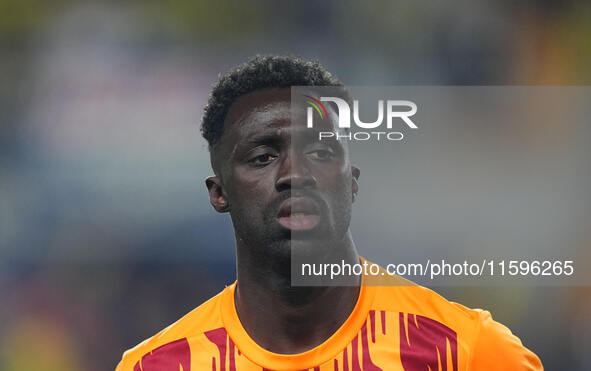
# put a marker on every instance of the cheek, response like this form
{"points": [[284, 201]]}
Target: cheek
{"points": [[250, 190], [335, 179], [337, 188]]}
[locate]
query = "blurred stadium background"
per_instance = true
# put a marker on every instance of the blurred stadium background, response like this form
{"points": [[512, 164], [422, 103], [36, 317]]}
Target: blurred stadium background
{"points": [[106, 234]]}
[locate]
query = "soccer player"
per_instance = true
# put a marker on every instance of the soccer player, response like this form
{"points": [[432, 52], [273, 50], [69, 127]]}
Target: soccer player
{"points": [[284, 194]]}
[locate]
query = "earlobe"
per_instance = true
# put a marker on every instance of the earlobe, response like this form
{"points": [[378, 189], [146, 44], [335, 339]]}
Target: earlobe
{"points": [[217, 197], [354, 181]]}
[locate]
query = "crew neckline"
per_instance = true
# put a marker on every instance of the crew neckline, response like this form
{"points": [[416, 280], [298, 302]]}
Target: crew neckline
{"points": [[308, 359]]}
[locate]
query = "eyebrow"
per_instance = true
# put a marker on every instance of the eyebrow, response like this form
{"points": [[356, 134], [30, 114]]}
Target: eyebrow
{"points": [[281, 136], [266, 138]]}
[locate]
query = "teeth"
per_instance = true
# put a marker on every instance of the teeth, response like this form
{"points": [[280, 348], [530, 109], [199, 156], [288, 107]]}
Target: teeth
{"points": [[297, 215]]}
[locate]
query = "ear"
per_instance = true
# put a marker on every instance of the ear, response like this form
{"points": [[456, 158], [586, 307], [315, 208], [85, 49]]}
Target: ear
{"points": [[355, 181], [216, 194]]}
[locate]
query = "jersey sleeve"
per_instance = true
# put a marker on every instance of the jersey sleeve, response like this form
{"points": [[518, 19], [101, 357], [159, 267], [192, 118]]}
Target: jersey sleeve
{"points": [[496, 348], [125, 364]]}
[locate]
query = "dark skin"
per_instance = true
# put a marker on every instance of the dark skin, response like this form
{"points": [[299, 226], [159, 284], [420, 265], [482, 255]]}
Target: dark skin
{"points": [[265, 160]]}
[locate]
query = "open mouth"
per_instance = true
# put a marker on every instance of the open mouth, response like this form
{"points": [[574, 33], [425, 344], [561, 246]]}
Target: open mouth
{"points": [[299, 214]]}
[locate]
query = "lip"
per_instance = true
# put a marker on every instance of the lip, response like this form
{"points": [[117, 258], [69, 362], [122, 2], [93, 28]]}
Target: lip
{"points": [[299, 214]]}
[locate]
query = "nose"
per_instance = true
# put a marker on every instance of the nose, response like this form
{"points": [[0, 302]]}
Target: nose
{"points": [[294, 173]]}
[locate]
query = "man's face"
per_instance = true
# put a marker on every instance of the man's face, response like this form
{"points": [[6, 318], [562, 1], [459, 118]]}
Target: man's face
{"points": [[277, 180]]}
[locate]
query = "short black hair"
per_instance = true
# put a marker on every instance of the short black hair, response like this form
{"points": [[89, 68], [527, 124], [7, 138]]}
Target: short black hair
{"points": [[260, 72]]}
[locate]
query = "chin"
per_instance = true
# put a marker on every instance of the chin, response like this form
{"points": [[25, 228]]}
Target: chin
{"points": [[312, 249]]}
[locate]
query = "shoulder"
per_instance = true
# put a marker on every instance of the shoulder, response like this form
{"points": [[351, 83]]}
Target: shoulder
{"points": [[203, 318], [396, 294], [489, 345], [496, 347], [407, 298]]}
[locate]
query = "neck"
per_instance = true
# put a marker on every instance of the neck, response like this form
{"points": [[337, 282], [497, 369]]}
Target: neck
{"points": [[286, 319]]}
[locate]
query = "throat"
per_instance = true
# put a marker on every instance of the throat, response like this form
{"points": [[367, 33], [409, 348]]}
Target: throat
{"points": [[287, 319], [296, 320]]}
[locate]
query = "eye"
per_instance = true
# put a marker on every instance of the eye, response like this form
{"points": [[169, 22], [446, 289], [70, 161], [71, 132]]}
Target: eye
{"points": [[262, 160], [321, 154]]}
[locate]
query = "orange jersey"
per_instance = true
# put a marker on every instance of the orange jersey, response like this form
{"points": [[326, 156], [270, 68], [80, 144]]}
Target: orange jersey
{"points": [[407, 328]]}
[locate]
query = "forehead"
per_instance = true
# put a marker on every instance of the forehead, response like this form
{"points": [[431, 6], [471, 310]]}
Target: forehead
{"points": [[270, 109]]}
